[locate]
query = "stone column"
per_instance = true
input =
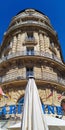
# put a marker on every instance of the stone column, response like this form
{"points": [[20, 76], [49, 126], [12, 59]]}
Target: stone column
{"points": [[18, 42], [36, 47], [46, 43], [23, 47], [37, 72], [41, 42], [14, 44]]}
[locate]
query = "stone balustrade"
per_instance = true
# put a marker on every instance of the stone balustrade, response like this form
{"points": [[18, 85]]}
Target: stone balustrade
{"points": [[35, 53], [29, 22], [44, 76]]}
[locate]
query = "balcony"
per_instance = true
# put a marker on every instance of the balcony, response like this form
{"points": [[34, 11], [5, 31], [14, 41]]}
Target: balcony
{"points": [[30, 41], [32, 22], [45, 76], [35, 53]]}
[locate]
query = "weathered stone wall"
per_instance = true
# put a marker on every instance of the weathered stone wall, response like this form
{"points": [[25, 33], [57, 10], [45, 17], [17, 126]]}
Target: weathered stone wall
{"points": [[14, 94], [42, 44], [43, 72]]}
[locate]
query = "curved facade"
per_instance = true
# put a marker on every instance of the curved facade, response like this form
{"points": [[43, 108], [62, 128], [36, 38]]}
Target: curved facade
{"points": [[30, 47]]}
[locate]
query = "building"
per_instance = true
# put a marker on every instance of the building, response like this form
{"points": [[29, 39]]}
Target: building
{"points": [[30, 47]]}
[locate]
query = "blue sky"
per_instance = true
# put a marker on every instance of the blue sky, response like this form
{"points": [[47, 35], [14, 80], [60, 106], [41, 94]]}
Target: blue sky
{"points": [[54, 9]]}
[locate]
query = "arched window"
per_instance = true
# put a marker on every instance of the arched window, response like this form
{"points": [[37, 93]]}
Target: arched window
{"points": [[21, 100]]}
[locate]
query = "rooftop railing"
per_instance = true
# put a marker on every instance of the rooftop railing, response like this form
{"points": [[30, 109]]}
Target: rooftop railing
{"points": [[43, 76], [35, 53], [30, 22]]}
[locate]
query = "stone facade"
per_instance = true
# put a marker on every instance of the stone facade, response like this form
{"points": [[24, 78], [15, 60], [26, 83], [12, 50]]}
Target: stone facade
{"points": [[30, 47]]}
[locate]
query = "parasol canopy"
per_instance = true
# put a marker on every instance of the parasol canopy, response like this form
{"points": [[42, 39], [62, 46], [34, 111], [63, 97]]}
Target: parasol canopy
{"points": [[33, 117]]}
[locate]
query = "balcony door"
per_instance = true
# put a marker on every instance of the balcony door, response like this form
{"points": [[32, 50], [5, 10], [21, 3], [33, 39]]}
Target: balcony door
{"points": [[29, 72], [30, 51]]}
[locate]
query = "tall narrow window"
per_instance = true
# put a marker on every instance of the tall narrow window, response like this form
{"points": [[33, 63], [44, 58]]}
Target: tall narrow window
{"points": [[52, 43], [30, 51], [29, 72], [30, 34]]}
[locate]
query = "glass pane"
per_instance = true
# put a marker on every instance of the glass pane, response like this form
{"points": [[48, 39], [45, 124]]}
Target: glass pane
{"points": [[30, 51], [21, 100], [29, 72]]}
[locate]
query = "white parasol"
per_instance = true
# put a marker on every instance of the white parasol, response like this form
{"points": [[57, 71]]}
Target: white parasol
{"points": [[33, 117]]}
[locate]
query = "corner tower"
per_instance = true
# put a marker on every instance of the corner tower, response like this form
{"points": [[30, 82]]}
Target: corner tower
{"points": [[31, 47]]}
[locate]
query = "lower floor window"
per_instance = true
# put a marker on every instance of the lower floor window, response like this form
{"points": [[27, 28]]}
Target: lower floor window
{"points": [[29, 72]]}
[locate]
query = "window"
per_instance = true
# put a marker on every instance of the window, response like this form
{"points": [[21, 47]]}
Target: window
{"points": [[21, 101], [30, 34], [52, 43], [29, 72], [30, 51], [52, 48]]}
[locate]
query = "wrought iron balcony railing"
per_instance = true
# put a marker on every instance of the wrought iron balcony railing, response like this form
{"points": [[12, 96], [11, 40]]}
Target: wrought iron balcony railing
{"points": [[35, 53], [43, 76], [30, 40]]}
